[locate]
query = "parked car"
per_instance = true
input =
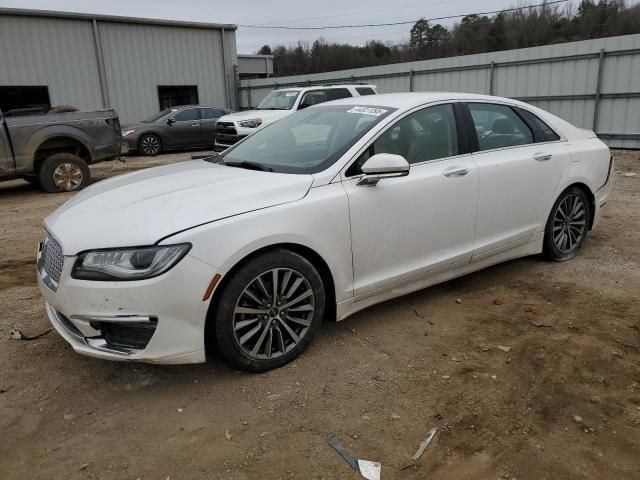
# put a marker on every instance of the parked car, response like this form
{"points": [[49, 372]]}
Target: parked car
{"points": [[278, 104], [319, 215], [54, 150], [189, 126]]}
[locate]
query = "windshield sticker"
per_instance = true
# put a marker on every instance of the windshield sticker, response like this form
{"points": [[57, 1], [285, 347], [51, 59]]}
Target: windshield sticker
{"points": [[291, 94], [376, 112]]}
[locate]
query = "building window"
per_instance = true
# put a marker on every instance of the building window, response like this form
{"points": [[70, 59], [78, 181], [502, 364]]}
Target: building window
{"points": [[18, 100], [176, 95]]}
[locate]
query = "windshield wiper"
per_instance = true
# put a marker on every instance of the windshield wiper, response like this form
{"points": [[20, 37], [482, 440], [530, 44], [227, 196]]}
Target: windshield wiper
{"points": [[249, 166]]}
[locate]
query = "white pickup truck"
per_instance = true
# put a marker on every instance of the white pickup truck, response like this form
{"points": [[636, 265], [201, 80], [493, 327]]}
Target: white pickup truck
{"points": [[278, 104]]}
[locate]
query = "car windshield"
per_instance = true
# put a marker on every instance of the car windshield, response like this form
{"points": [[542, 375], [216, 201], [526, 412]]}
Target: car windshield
{"points": [[159, 115], [308, 141], [279, 100]]}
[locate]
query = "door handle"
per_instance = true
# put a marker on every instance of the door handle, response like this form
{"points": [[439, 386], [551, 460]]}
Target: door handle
{"points": [[195, 124], [542, 157], [455, 172]]}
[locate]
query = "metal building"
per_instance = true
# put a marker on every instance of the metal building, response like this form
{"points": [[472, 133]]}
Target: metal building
{"points": [[137, 66]]}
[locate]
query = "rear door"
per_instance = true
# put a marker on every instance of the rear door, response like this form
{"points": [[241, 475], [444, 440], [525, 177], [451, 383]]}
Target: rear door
{"points": [[519, 174], [6, 159], [184, 132]]}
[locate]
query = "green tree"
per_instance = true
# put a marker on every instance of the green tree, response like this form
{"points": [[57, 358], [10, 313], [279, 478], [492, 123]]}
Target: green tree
{"points": [[265, 50]]}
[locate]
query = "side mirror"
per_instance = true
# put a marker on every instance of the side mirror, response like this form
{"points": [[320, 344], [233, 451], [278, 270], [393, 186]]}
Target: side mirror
{"points": [[383, 165], [171, 121]]}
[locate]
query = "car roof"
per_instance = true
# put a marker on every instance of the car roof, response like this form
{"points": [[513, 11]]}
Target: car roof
{"points": [[415, 99], [323, 87]]}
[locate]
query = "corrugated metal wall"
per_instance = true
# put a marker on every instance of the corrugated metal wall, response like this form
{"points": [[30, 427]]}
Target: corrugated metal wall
{"points": [[138, 58], [62, 54], [57, 53], [563, 79]]}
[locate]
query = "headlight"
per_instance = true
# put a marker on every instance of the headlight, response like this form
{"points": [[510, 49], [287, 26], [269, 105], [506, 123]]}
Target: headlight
{"points": [[126, 133], [253, 123], [128, 263]]}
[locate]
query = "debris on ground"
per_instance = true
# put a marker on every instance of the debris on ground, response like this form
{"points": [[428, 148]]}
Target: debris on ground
{"points": [[227, 434], [424, 444], [541, 323], [395, 416], [84, 466], [18, 335], [504, 349], [577, 418], [368, 469], [458, 301], [497, 301], [5, 390], [630, 174]]}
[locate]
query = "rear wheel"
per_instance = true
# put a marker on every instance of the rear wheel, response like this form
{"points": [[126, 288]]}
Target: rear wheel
{"points": [[149, 145], [269, 311], [568, 225], [64, 172]]}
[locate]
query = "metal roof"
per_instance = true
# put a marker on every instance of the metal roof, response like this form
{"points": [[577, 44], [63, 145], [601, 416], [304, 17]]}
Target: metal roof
{"points": [[113, 18]]}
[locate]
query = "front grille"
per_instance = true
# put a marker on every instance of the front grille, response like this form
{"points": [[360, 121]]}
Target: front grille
{"points": [[51, 258], [226, 128]]}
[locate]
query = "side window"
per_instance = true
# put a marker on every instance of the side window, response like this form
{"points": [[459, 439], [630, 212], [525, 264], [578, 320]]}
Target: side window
{"points": [[336, 93], [365, 91], [499, 126], [313, 97], [542, 131], [211, 113], [187, 115], [427, 134]]}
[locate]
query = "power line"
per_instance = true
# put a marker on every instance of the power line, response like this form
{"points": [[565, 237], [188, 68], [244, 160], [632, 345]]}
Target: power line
{"points": [[406, 22], [367, 12]]}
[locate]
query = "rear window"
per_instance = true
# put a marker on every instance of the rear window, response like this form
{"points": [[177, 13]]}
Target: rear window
{"points": [[541, 131], [336, 93], [365, 91]]}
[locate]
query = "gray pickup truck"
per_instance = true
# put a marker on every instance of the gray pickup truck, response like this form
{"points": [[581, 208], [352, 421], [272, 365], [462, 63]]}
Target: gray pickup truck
{"points": [[55, 150]]}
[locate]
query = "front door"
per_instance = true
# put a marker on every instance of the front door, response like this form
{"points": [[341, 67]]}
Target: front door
{"points": [[518, 177], [208, 119], [184, 132], [406, 227]]}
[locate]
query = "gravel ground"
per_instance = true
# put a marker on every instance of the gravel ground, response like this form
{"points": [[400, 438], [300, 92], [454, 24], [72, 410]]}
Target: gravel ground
{"points": [[544, 386]]}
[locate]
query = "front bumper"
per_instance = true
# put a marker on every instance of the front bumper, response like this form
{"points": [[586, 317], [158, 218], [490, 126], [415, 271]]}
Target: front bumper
{"points": [[159, 320], [224, 141]]}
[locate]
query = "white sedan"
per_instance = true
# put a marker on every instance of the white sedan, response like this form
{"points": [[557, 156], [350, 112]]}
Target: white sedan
{"points": [[328, 211]]}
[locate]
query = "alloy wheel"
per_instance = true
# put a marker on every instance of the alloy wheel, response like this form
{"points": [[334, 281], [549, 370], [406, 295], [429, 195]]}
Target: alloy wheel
{"points": [[150, 145], [67, 177], [569, 223], [273, 313]]}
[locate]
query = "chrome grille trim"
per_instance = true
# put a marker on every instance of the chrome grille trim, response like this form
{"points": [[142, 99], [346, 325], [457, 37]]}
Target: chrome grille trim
{"points": [[50, 261]]}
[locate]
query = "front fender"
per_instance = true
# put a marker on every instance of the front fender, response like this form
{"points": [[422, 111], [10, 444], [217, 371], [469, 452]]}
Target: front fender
{"points": [[319, 222]]}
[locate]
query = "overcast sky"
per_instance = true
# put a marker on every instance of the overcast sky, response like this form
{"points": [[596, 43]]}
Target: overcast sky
{"points": [[285, 12]]}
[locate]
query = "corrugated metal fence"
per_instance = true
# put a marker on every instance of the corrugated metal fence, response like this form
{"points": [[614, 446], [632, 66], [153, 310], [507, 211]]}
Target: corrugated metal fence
{"points": [[593, 84]]}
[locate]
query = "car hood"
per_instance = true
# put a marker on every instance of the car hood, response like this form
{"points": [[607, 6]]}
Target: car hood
{"points": [[267, 116], [143, 207]]}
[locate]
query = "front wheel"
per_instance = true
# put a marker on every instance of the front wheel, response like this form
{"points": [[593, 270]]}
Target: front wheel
{"points": [[64, 172], [150, 145], [269, 311], [568, 225]]}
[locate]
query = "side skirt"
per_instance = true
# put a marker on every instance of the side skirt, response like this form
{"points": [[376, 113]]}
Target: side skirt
{"points": [[348, 307]]}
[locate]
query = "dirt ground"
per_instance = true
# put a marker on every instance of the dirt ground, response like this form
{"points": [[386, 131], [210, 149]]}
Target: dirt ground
{"points": [[544, 386]]}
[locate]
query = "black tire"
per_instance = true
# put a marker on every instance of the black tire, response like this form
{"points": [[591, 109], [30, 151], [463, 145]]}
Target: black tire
{"points": [[64, 172], [149, 145], [274, 330], [568, 225]]}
